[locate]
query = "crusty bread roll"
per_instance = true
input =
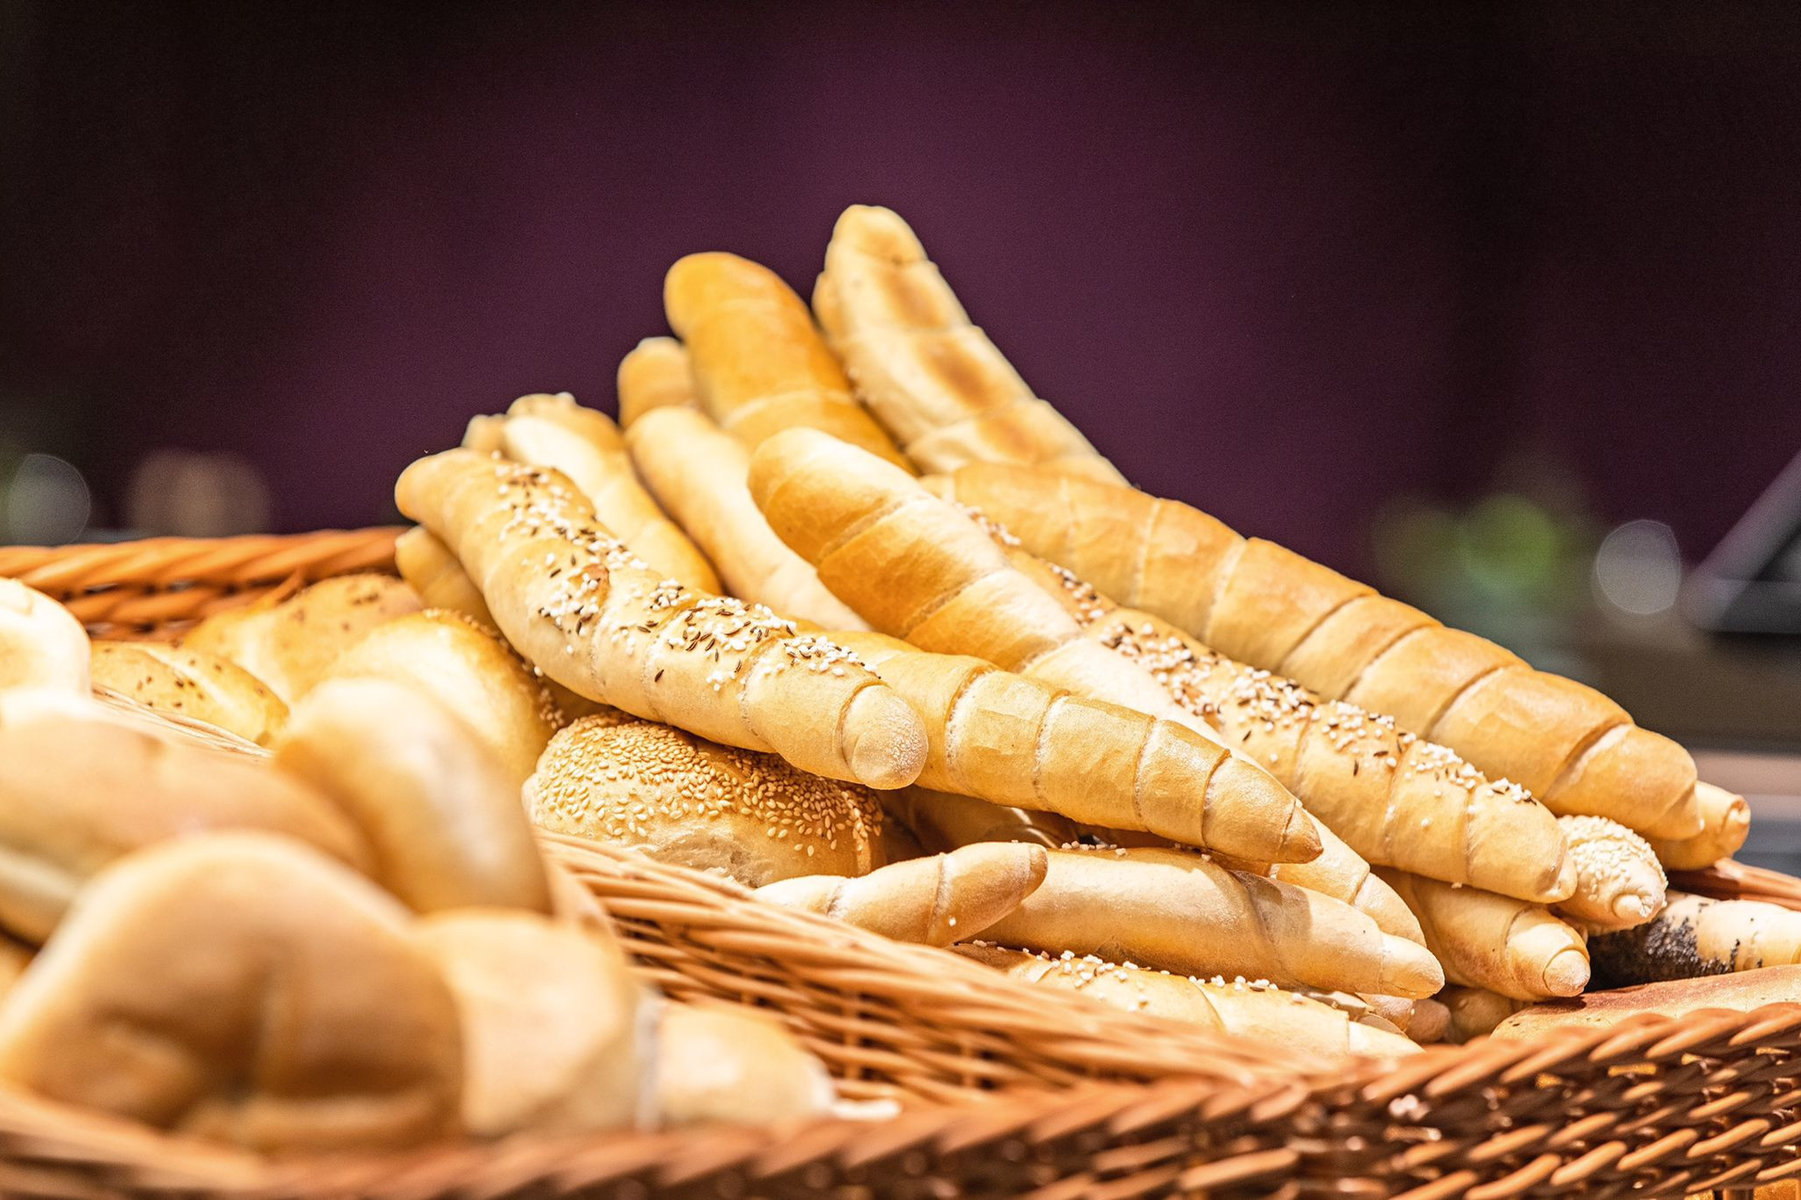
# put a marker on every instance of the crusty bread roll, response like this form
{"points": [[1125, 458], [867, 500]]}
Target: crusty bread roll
{"points": [[684, 800], [42, 645], [1739, 992], [1725, 823], [552, 1035], [180, 679], [291, 645], [81, 787], [1619, 882], [243, 988], [934, 901], [718, 1065], [438, 809], [1259, 1011], [474, 674]]}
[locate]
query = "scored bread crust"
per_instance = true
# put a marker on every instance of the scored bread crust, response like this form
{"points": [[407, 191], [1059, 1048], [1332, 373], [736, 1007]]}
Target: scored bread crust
{"points": [[193, 683], [684, 800], [1513, 947]]}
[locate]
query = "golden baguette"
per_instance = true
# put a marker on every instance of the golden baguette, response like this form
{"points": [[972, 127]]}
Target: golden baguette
{"points": [[543, 430], [932, 378], [1341, 874], [590, 615], [240, 987], [1496, 942], [654, 374], [1619, 882], [42, 645], [698, 473], [1573, 748], [1694, 936], [934, 901], [1725, 823], [1181, 912], [1268, 1014], [193, 683], [758, 362]]}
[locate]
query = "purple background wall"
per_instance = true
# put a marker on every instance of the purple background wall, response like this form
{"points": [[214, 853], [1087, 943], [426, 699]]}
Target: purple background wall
{"points": [[1284, 264]]}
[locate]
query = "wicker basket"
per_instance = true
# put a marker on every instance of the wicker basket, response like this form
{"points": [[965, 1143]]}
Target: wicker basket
{"points": [[1006, 1090]]}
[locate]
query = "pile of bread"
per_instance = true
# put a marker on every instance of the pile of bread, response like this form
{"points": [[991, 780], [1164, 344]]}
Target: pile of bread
{"points": [[849, 614]]}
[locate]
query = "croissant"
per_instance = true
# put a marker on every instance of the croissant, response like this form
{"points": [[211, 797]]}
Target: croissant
{"points": [[1725, 823], [933, 379], [589, 614], [1570, 746]]}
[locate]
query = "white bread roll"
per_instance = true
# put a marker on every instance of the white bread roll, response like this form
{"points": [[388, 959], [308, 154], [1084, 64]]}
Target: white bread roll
{"points": [[192, 683], [553, 1037], [42, 645], [81, 787], [291, 645], [439, 811], [734, 1066], [243, 988], [684, 800], [451, 659]]}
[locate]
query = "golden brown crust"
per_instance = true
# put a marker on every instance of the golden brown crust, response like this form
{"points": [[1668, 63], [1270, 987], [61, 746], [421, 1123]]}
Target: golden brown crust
{"points": [[1725, 823], [684, 800], [1475, 1012], [719, 1065], [240, 987], [433, 572], [1495, 942], [654, 374], [1675, 998], [42, 645], [1619, 882], [192, 683]]}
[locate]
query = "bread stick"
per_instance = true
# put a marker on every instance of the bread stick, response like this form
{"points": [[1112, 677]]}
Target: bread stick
{"points": [[1495, 942], [42, 645], [594, 618], [759, 363], [1696, 936], [1183, 913], [654, 374], [1619, 882], [698, 473], [243, 988], [1575, 750], [1269, 1014], [554, 431], [1725, 823], [934, 901], [933, 379]]}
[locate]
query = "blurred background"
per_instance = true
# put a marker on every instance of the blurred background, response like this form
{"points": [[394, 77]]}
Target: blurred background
{"points": [[1495, 305]]}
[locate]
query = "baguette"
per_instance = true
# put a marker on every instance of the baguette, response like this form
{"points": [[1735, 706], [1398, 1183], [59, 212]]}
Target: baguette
{"points": [[934, 901], [1619, 880], [553, 1040], [453, 661], [699, 473], [1013, 740], [1495, 942], [932, 378], [1183, 913], [1696, 936], [593, 618], [433, 572], [1475, 1012], [242, 988], [1341, 874], [654, 374], [81, 789], [1397, 801], [437, 807], [179, 679], [1574, 749], [1725, 823], [586, 447], [1745, 992], [758, 362], [720, 1065], [42, 645], [1241, 1009], [679, 799], [292, 644]]}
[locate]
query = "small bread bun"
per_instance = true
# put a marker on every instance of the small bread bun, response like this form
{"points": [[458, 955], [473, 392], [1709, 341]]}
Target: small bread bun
{"points": [[81, 787], [684, 800], [42, 645], [243, 988], [734, 1066], [449, 657], [437, 808], [551, 1029], [291, 645], [191, 682]]}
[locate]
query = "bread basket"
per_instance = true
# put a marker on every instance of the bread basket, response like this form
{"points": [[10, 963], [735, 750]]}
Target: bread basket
{"points": [[1003, 1089]]}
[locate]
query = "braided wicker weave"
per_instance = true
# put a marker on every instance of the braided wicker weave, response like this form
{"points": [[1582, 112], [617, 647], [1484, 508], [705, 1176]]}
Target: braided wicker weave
{"points": [[1006, 1090]]}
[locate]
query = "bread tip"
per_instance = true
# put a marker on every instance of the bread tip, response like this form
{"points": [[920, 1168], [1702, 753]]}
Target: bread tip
{"points": [[1567, 973], [888, 744], [1409, 969]]}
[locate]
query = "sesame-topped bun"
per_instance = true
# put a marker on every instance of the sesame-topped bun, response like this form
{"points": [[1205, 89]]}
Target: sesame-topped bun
{"points": [[694, 803], [42, 645], [193, 683]]}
